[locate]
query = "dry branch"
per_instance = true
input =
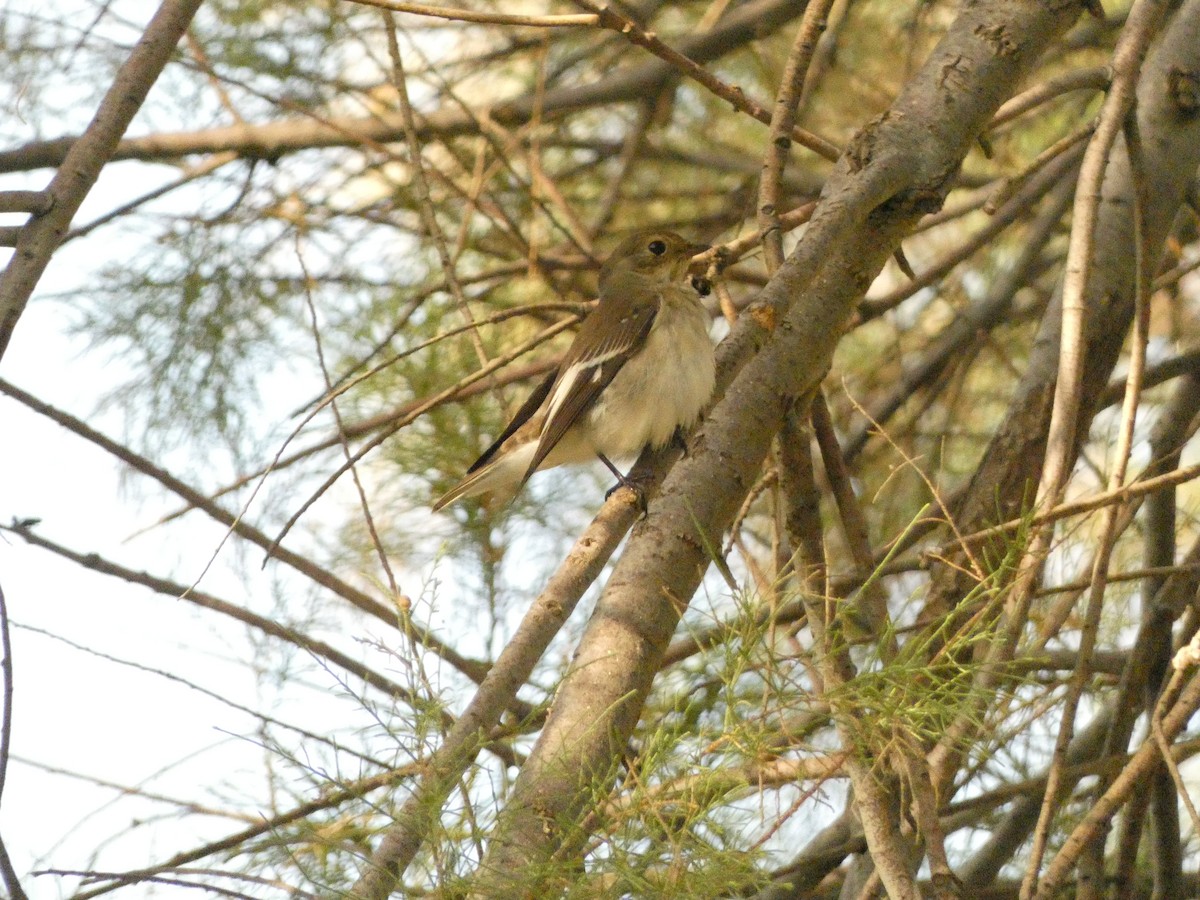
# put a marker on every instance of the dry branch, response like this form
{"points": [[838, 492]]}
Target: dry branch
{"points": [[80, 165]]}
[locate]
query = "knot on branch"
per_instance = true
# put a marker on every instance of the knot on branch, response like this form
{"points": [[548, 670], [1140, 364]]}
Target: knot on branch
{"points": [[1183, 87], [862, 146], [913, 202], [997, 38], [764, 316]]}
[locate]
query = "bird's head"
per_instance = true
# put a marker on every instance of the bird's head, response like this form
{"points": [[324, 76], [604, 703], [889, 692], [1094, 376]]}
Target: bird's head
{"points": [[653, 252]]}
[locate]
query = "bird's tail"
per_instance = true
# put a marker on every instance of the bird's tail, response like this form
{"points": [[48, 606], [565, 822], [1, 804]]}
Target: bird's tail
{"points": [[502, 476]]}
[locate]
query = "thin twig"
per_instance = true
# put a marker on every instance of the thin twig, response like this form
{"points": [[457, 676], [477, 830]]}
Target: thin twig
{"points": [[11, 881], [1181, 786], [341, 794], [274, 548], [608, 18], [357, 430], [220, 697], [1178, 702], [127, 790], [1009, 186], [783, 119], [484, 18], [1144, 20], [1093, 79], [187, 176], [1078, 507], [296, 638], [1017, 206], [81, 166], [237, 525], [421, 185], [871, 609], [364, 503], [1108, 534]]}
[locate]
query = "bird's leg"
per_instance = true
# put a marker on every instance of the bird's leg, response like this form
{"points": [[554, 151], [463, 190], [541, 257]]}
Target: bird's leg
{"points": [[624, 481]]}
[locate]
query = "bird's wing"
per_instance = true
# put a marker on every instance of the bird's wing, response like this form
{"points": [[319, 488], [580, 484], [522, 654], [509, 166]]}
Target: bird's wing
{"points": [[524, 414], [602, 347]]}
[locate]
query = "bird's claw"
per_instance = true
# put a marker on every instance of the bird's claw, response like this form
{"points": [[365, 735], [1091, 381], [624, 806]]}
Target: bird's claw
{"points": [[637, 489], [680, 442]]}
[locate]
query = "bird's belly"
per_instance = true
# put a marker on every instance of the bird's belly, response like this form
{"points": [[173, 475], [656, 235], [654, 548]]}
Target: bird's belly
{"points": [[662, 389]]}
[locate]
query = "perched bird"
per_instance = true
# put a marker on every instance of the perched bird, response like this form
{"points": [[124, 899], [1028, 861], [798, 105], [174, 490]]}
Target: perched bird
{"points": [[640, 367]]}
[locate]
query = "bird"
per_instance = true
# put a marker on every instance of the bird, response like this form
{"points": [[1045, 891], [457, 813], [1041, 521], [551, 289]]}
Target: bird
{"points": [[640, 369]]}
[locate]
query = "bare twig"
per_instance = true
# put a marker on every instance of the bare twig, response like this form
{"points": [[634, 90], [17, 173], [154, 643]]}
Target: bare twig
{"points": [[421, 183], [219, 697], [172, 589], [1178, 702], [1099, 581], [1015, 207], [274, 547], [1144, 20], [342, 794], [238, 525], [1062, 147], [1077, 507], [783, 119], [187, 176], [484, 18], [1181, 786], [87, 156], [1094, 79], [609, 18], [9, 874]]}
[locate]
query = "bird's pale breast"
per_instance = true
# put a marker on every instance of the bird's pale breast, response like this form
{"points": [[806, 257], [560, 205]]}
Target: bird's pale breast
{"points": [[663, 387]]}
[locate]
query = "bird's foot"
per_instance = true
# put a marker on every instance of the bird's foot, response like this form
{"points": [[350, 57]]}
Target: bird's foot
{"points": [[679, 441], [637, 485]]}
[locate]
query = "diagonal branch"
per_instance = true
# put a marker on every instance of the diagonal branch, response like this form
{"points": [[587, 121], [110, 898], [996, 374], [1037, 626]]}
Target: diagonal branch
{"points": [[749, 22], [239, 526], [7, 872], [81, 164]]}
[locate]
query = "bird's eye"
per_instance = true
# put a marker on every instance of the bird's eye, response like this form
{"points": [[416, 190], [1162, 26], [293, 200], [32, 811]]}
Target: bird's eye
{"points": [[658, 248]]}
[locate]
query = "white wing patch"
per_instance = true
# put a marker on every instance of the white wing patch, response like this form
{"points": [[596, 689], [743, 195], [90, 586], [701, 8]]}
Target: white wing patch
{"points": [[566, 386], [560, 394]]}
